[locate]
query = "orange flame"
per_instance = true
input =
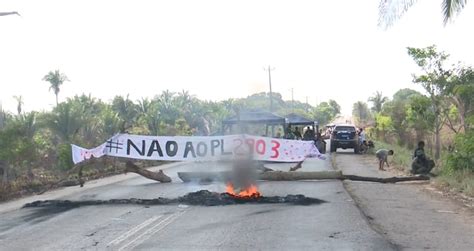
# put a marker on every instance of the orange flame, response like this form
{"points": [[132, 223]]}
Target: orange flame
{"points": [[249, 192]]}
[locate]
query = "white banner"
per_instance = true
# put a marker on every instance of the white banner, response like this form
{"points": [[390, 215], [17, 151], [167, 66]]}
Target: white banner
{"points": [[191, 148]]}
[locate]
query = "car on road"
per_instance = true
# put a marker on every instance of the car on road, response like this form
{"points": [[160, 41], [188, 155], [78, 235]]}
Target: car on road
{"points": [[344, 136]]}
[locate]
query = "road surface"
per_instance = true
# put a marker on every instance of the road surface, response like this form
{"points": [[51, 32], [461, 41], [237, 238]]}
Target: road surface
{"points": [[337, 224], [376, 220], [405, 213]]}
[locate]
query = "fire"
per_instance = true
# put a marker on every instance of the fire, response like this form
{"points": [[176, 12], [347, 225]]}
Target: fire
{"points": [[249, 192]]}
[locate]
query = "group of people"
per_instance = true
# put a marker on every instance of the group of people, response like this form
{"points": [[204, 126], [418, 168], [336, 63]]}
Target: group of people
{"points": [[421, 164], [309, 134], [364, 144]]}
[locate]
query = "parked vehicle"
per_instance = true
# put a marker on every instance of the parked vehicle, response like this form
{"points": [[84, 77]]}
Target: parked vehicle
{"points": [[344, 136]]}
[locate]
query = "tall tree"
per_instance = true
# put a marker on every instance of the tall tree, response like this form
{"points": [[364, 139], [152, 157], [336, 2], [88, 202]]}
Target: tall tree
{"points": [[126, 110], [335, 106], [19, 102], [460, 91], [56, 79], [392, 10], [377, 101], [325, 112], [434, 80], [361, 112]]}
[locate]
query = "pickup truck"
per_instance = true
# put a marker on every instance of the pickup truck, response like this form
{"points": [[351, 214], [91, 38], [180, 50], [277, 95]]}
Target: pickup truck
{"points": [[344, 136]]}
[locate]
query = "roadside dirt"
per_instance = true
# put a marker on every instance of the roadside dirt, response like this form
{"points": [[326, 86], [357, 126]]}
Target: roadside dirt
{"points": [[69, 190], [429, 187], [411, 215]]}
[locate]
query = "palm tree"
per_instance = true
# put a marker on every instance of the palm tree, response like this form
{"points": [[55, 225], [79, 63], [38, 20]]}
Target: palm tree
{"points": [[360, 112], [391, 10], [19, 100], [65, 121], [126, 110], [5, 117], [56, 79], [377, 101]]}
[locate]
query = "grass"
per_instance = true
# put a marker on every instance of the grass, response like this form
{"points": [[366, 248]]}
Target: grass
{"points": [[461, 181]]}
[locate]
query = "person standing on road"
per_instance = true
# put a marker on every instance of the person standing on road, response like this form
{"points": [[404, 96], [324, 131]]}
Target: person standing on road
{"points": [[382, 156], [361, 135]]}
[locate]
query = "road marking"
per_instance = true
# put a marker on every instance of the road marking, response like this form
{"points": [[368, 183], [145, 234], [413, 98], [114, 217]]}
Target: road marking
{"points": [[153, 230], [134, 230], [446, 211]]}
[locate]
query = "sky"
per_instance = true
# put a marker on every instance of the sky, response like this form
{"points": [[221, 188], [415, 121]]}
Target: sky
{"points": [[217, 49]]}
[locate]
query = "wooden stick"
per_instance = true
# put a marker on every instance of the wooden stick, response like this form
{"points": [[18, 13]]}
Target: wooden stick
{"points": [[158, 176], [288, 176]]}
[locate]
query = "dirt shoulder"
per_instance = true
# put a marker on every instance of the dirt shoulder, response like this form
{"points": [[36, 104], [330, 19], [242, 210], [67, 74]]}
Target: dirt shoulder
{"points": [[410, 215]]}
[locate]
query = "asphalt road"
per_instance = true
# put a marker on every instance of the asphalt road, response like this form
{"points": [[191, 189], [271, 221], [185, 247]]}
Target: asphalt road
{"points": [[407, 213], [335, 225]]}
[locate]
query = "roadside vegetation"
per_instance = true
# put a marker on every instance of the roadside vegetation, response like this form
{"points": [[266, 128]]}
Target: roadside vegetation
{"points": [[442, 116], [35, 150]]}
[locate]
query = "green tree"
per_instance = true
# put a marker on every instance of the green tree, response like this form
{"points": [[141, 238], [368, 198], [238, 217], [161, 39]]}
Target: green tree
{"points": [[169, 112], [392, 10], [150, 115], [434, 81], [126, 110], [324, 112], [17, 145], [383, 124], [64, 121], [19, 101], [377, 101], [420, 115], [335, 106], [397, 110], [460, 91], [56, 79], [361, 113], [3, 117], [89, 109], [110, 122]]}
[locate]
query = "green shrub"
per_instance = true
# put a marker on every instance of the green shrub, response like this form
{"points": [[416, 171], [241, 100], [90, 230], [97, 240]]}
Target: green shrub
{"points": [[458, 181], [65, 157], [462, 157]]}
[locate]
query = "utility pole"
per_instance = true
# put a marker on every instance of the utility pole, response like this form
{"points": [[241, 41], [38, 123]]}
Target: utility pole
{"points": [[292, 102], [307, 108], [269, 69]]}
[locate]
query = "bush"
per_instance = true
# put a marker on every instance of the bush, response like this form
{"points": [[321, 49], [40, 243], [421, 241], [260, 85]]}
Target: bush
{"points": [[65, 157], [457, 181], [462, 157]]}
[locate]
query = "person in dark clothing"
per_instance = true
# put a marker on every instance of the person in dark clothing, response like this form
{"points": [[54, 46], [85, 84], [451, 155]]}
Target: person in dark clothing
{"points": [[421, 164], [309, 134], [289, 133], [297, 133]]}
